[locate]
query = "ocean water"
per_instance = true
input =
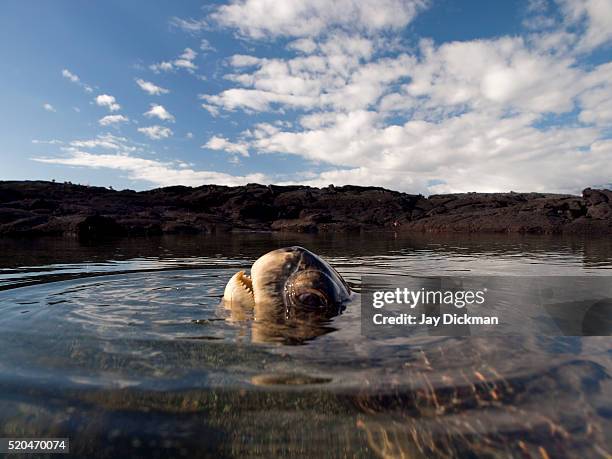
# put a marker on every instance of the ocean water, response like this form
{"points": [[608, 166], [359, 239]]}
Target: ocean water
{"points": [[124, 348]]}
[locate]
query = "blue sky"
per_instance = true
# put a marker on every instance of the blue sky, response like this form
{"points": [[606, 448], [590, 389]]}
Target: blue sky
{"points": [[414, 95]]}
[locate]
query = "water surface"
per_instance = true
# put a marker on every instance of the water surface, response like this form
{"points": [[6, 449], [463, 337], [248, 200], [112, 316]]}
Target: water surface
{"points": [[123, 347]]}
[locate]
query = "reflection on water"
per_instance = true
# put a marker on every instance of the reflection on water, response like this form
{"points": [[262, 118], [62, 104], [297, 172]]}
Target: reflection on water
{"points": [[125, 348]]}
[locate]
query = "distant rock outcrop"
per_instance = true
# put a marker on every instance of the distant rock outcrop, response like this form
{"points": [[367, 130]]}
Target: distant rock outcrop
{"points": [[45, 208]]}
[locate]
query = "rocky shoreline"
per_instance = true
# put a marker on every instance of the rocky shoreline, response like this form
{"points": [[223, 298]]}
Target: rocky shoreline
{"points": [[37, 208]]}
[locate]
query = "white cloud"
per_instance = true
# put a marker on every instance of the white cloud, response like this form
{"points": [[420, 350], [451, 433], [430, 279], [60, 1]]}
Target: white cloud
{"points": [[184, 61], [220, 143], [112, 120], [597, 106], [477, 115], [192, 26], [189, 54], [501, 73], [537, 6], [105, 100], [105, 141], [48, 142], [158, 111], [243, 60], [470, 152], [296, 18], [255, 100], [596, 18], [341, 75], [205, 46], [49, 107], [156, 132], [189, 135], [69, 75], [210, 108], [119, 153], [159, 173], [512, 112], [305, 45], [75, 79], [151, 88], [164, 65]]}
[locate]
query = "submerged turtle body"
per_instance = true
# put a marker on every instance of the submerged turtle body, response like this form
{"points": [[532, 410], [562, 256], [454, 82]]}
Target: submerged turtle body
{"points": [[442, 397]]}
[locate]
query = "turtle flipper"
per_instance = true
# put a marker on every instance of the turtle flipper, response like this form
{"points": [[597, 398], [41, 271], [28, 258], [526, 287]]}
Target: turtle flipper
{"points": [[239, 292]]}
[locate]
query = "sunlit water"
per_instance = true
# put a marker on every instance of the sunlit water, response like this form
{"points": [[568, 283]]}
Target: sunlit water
{"points": [[124, 348]]}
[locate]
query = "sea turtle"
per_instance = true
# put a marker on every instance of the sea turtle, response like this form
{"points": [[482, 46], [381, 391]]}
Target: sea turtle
{"points": [[291, 292]]}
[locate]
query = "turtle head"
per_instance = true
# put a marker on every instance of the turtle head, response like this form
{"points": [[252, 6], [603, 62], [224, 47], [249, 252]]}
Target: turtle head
{"points": [[288, 283]]}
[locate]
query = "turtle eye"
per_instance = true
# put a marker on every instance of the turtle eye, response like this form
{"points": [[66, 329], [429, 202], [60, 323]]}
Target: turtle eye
{"points": [[307, 291], [311, 299]]}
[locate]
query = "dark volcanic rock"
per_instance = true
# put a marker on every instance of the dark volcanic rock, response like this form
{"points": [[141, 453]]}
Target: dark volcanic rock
{"points": [[44, 208], [97, 226]]}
